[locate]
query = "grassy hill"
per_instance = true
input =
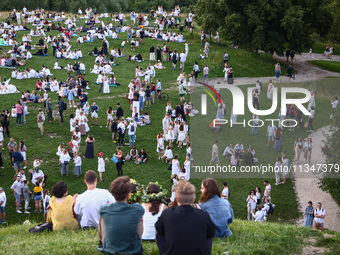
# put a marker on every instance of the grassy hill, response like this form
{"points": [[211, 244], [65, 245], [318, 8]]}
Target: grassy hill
{"points": [[248, 238]]}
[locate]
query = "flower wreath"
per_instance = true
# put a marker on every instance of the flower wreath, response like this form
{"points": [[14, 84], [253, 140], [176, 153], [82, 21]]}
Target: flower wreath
{"points": [[137, 195], [161, 195]]}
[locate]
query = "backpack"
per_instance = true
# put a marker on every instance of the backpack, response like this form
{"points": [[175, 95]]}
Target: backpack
{"points": [[64, 105], [70, 144], [271, 209], [132, 128], [291, 114], [174, 56], [167, 49], [120, 130]]}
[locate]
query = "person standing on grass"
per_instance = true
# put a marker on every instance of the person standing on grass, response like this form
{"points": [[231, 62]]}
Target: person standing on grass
{"points": [[37, 191], [87, 204], [11, 145], [23, 151], [49, 110], [251, 204], [121, 132], [101, 165], [225, 191], [40, 121], [16, 188], [119, 162], [207, 49], [17, 159], [19, 110], [94, 114], [319, 215], [205, 74], [3, 200], [270, 133], [131, 128], [267, 191], [119, 112], [5, 122], [182, 91], [182, 59], [334, 103], [215, 152], [114, 129], [290, 72], [60, 107], [64, 161], [310, 119]]}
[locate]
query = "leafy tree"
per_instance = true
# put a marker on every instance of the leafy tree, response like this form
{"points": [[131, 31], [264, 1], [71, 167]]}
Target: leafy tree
{"points": [[265, 24]]}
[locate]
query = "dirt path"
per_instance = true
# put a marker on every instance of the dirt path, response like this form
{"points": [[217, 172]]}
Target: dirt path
{"points": [[307, 187], [306, 72]]}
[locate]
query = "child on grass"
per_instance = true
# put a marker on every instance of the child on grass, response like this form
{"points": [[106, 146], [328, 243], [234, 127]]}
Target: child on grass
{"points": [[46, 202]]}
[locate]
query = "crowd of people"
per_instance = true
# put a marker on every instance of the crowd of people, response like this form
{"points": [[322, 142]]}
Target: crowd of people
{"points": [[152, 217]]}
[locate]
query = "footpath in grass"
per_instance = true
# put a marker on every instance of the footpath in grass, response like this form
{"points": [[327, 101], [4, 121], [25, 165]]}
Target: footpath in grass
{"points": [[247, 238], [332, 66]]}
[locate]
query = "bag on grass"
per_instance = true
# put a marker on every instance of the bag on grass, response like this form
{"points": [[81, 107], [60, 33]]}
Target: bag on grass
{"points": [[47, 226]]}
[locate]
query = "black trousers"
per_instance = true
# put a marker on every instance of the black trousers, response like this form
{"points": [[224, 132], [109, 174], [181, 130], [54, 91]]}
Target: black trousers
{"points": [[1, 164], [119, 168], [121, 138], [61, 116]]}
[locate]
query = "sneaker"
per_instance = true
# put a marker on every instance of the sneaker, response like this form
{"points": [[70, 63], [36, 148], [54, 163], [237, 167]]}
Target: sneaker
{"points": [[18, 211], [25, 167], [26, 212], [3, 221]]}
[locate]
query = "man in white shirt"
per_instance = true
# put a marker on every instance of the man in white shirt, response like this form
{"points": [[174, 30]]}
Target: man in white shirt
{"points": [[228, 151], [132, 132], [28, 55], [267, 191], [166, 123], [168, 155], [205, 74], [121, 133], [183, 59], [270, 133], [88, 203], [16, 188], [319, 214], [225, 191]]}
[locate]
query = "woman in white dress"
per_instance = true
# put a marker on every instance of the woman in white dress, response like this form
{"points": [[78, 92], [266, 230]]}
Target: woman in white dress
{"points": [[278, 171], [176, 129], [153, 210], [181, 136], [109, 117], [106, 88], [81, 123], [160, 144], [170, 135], [298, 149], [101, 165], [175, 166], [187, 164], [270, 90]]}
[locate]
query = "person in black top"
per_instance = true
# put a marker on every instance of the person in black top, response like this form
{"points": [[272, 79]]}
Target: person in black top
{"points": [[60, 107], [5, 121], [143, 155], [83, 98], [139, 56], [180, 110], [119, 111], [41, 42], [114, 129], [159, 53], [184, 230]]}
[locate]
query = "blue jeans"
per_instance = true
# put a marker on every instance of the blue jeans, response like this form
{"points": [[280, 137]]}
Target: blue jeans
{"points": [[254, 131], [132, 140], [19, 118], [205, 77], [141, 103], [129, 36]]}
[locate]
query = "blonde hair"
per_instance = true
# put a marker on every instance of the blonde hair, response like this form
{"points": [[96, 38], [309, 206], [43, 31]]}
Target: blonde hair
{"points": [[185, 193]]}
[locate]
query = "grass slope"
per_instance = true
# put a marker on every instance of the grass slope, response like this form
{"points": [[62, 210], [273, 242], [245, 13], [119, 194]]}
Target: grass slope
{"points": [[332, 66], [248, 238], [244, 64]]}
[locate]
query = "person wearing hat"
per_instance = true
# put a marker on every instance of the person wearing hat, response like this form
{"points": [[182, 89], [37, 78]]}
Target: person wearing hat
{"points": [[309, 215], [101, 165], [16, 188], [2, 205]]}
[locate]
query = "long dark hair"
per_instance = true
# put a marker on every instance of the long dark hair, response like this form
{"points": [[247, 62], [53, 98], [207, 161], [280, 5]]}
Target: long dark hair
{"points": [[210, 189], [22, 144], [154, 209]]}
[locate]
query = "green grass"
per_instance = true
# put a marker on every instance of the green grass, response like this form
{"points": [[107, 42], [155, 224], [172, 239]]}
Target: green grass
{"points": [[320, 48], [244, 64], [332, 66], [248, 238]]}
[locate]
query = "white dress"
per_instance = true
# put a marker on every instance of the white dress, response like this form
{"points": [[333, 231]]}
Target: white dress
{"points": [[187, 168], [1, 134], [101, 165], [175, 167], [160, 144], [149, 220], [181, 136], [106, 88]]}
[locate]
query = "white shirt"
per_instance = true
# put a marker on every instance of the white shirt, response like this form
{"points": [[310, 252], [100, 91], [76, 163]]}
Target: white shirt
{"points": [[3, 199], [267, 190], [88, 204], [122, 126], [129, 129], [225, 193], [259, 216], [168, 154], [183, 57], [17, 186], [319, 213], [271, 130], [335, 104]]}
